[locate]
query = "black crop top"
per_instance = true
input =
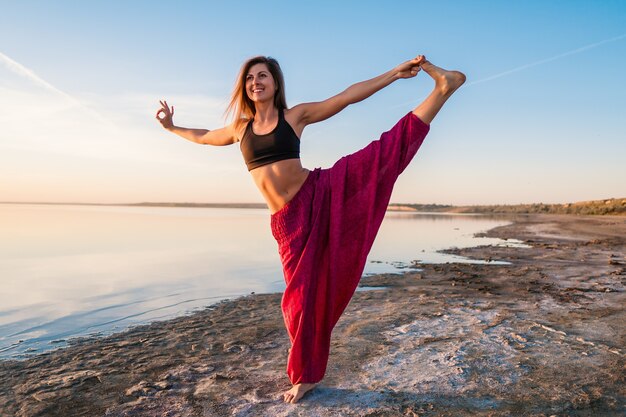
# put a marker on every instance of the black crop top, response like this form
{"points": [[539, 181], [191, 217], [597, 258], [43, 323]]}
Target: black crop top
{"points": [[281, 143]]}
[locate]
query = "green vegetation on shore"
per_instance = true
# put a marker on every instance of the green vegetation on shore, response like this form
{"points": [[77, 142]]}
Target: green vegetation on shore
{"points": [[612, 206]]}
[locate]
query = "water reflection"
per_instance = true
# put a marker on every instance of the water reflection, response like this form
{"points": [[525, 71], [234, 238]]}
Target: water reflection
{"points": [[75, 270]]}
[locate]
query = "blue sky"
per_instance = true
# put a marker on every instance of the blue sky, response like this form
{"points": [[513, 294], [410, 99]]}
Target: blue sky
{"points": [[541, 118]]}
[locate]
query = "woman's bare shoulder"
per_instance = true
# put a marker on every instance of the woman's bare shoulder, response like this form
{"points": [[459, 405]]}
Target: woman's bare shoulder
{"points": [[295, 117], [239, 128]]}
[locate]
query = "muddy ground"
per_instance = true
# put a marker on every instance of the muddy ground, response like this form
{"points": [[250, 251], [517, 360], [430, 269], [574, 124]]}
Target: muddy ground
{"points": [[541, 336]]}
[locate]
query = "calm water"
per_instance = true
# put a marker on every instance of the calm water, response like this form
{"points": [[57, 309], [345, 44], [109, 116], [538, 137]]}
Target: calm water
{"points": [[69, 271]]}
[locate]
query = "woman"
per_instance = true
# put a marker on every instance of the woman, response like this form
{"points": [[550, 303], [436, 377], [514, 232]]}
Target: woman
{"points": [[324, 220]]}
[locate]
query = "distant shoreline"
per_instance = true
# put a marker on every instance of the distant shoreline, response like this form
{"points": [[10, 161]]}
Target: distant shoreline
{"points": [[611, 206], [192, 205]]}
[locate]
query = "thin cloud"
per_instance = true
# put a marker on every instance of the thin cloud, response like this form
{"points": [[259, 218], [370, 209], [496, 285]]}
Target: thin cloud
{"points": [[21, 70], [546, 60], [534, 64], [29, 74]]}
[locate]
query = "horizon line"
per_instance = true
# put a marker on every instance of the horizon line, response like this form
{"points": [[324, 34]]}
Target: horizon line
{"points": [[264, 205]]}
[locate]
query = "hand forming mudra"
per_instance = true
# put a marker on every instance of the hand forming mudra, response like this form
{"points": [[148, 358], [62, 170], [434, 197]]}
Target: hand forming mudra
{"points": [[167, 119]]}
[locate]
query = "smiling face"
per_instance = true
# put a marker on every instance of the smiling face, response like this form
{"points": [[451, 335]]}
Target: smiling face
{"points": [[260, 85], [260, 80]]}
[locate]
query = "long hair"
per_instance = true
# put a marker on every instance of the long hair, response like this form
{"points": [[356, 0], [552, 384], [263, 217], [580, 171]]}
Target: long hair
{"points": [[240, 106]]}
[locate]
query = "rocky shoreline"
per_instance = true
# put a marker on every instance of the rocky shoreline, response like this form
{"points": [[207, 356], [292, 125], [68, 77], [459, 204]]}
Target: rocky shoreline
{"points": [[541, 336]]}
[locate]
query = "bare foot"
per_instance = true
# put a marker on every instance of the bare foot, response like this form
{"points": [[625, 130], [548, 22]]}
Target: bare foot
{"points": [[445, 81], [296, 392]]}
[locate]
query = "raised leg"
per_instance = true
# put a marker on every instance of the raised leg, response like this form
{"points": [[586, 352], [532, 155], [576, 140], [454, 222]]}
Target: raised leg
{"points": [[446, 83], [323, 259]]}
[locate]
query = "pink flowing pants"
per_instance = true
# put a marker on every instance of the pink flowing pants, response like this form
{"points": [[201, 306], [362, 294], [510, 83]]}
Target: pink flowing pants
{"points": [[324, 235]]}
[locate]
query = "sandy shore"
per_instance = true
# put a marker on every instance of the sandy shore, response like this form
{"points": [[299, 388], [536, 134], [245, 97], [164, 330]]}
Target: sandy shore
{"points": [[541, 336]]}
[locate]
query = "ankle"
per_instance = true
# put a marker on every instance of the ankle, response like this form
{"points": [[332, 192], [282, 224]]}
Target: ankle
{"points": [[444, 88]]}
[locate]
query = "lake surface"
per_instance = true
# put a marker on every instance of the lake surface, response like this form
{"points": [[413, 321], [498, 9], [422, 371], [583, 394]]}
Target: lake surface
{"points": [[71, 270]]}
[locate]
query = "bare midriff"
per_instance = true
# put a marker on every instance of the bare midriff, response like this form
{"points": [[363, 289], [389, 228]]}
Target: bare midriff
{"points": [[279, 182]]}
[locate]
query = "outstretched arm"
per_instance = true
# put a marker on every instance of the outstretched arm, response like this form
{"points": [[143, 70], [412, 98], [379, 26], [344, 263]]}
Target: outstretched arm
{"points": [[308, 113], [218, 137]]}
